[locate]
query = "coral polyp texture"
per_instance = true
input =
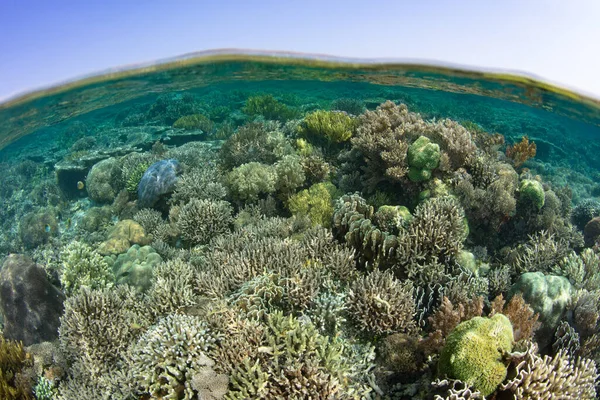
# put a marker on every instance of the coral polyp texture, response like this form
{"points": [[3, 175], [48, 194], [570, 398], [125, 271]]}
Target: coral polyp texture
{"points": [[273, 230]]}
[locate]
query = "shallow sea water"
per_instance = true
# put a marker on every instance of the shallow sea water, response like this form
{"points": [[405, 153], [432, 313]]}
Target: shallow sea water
{"points": [[254, 226]]}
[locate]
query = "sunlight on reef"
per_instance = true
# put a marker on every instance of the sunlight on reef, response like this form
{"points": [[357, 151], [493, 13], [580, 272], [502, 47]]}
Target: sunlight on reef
{"points": [[255, 226]]}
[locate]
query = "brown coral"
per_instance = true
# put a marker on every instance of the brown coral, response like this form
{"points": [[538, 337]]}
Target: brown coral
{"points": [[521, 152], [520, 314], [446, 318]]}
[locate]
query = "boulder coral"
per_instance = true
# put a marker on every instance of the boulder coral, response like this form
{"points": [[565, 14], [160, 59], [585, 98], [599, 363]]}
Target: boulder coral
{"points": [[474, 352]]}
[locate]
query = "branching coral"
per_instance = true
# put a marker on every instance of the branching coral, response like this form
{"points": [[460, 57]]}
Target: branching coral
{"points": [[315, 202], [168, 356], [381, 139], [381, 304], [558, 377], [98, 325], [199, 183], [521, 152], [249, 181], [200, 220]]}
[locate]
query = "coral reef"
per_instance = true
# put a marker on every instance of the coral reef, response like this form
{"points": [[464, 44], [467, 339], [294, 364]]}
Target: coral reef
{"points": [[82, 266]]}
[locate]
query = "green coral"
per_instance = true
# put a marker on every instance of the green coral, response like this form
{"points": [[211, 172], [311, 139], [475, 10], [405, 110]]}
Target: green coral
{"points": [[474, 352], [423, 157], [194, 121], [334, 126], [248, 181], [135, 267], [83, 266], [268, 107], [315, 202], [532, 192], [132, 180], [44, 389]]}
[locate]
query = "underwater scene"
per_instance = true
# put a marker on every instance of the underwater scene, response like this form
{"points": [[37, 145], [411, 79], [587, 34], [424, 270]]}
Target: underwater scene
{"points": [[237, 226]]}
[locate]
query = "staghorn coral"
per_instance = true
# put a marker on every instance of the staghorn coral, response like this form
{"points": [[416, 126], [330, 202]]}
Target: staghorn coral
{"points": [[532, 192], [542, 252], [290, 175], [558, 377], [381, 140], [149, 219], [200, 220], [98, 326], [566, 339], [253, 142], [295, 361], [474, 350], [174, 287], [269, 107], [380, 304], [194, 121], [435, 235], [521, 151], [199, 183], [169, 354]]}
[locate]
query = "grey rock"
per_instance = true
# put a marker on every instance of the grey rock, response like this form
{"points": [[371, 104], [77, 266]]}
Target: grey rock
{"points": [[30, 304]]}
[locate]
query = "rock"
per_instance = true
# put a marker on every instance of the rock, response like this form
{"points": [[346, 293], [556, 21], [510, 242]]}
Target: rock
{"points": [[31, 305], [591, 232]]}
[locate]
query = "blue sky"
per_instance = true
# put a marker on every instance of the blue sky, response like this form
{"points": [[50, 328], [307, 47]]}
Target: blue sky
{"points": [[45, 42]]}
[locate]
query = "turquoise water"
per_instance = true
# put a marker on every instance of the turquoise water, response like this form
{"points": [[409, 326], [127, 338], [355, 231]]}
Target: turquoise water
{"points": [[254, 227]]}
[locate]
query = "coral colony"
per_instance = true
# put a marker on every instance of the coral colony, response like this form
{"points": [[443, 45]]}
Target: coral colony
{"points": [[328, 241]]}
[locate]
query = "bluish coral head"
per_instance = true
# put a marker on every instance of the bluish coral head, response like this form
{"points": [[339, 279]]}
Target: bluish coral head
{"points": [[158, 180]]}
